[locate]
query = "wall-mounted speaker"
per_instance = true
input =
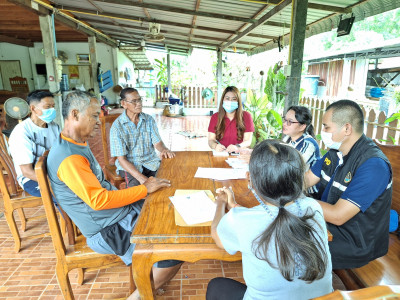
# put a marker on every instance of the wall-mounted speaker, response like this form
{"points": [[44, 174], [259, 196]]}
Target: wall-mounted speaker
{"points": [[345, 25]]}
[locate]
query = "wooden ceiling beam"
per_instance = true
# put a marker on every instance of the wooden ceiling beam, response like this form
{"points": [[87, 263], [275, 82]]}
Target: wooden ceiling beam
{"points": [[169, 32], [141, 36], [100, 24], [65, 19], [16, 41], [129, 17], [178, 10], [136, 19], [335, 9], [196, 8], [259, 22]]}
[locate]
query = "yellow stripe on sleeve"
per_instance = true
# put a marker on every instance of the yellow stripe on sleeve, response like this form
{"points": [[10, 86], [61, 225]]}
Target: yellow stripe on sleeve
{"points": [[75, 172]]}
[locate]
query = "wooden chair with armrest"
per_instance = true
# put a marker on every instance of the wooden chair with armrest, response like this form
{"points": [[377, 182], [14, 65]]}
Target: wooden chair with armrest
{"points": [[76, 256], [374, 292], [19, 84], [16, 198], [110, 170]]}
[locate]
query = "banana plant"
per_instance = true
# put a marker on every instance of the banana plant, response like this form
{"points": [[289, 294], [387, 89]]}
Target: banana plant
{"points": [[267, 122]]}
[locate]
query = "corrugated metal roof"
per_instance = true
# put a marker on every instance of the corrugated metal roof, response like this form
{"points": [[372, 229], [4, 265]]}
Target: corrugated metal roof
{"points": [[138, 56], [213, 24]]}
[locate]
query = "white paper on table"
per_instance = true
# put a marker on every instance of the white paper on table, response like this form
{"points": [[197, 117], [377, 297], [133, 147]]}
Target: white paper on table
{"points": [[222, 153], [237, 163], [194, 208], [220, 173]]}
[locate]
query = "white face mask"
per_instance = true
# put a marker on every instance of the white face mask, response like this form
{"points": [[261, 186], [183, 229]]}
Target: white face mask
{"points": [[327, 139]]}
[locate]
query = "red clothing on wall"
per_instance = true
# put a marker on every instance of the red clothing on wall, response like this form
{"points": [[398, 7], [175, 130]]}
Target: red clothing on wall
{"points": [[230, 135]]}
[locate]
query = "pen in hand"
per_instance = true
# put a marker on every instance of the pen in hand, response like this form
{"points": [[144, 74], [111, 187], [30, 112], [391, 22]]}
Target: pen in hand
{"points": [[222, 147]]}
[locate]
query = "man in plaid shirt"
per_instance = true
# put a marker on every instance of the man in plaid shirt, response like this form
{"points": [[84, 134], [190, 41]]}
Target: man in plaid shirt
{"points": [[134, 137]]}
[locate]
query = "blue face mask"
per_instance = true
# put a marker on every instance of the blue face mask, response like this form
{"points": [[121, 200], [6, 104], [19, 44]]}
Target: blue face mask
{"points": [[230, 106], [48, 115]]}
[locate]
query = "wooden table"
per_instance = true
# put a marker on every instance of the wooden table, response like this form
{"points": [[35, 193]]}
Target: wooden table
{"points": [[158, 238], [156, 235]]}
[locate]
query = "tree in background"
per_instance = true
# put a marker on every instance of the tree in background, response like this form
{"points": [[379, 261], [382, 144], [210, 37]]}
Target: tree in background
{"points": [[367, 32]]}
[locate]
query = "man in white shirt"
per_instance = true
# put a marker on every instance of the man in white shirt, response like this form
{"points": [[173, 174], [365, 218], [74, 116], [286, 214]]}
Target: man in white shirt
{"points": [[32, 137]]}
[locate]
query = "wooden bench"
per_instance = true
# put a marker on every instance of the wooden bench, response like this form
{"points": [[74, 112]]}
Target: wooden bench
{"points": [[386, 269], [374, 292]]}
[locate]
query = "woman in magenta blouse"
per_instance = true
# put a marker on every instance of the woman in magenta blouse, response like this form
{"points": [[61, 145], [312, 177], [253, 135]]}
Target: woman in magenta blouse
{"points": [[231, 128]]}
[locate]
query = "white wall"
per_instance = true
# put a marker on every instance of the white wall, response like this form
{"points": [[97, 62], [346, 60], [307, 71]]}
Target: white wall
{"points": [[21, 53], [125, 65], [29, 57], [104, 57]]}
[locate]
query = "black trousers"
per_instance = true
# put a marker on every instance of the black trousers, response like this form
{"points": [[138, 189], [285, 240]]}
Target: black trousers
{"points": [[222, 288]]}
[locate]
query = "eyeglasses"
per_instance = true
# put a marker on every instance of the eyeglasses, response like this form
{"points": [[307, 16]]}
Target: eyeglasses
{"points": [[289, 122], [134, 101]]}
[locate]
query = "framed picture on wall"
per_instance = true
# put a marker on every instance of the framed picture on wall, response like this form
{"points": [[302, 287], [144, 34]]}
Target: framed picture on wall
{"points": [[83, 58]]}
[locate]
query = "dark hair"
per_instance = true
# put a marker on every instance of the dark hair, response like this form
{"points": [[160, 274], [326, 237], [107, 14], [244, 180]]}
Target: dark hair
{"points": [[37, 96], [303, 116], [347, 111], [126, 91], [78, 100], [220, 127], [277, 175]]}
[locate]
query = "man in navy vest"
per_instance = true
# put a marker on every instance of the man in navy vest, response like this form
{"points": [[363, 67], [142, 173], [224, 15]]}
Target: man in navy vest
{"points": [[355, 192]]}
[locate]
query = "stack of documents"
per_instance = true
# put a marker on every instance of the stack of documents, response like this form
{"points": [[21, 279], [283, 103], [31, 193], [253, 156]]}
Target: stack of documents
{"points": [[220, 173], [194, 207], [237, 163]]}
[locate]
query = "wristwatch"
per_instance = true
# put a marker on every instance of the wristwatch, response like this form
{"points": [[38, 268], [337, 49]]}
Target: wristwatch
{"points": [[238, 145]]}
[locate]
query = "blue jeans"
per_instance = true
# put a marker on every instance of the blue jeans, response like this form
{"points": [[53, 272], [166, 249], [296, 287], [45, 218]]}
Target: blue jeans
{"points": [[32, 188]]}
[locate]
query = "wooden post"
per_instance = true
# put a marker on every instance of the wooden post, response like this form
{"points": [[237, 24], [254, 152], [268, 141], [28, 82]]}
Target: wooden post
{"points": [[93, 65], [46, 28], [297, 36]]}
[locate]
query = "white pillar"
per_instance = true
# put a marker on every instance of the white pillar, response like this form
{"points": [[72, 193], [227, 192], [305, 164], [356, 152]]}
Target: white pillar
{"points": [[219, 75], [169, 71]]}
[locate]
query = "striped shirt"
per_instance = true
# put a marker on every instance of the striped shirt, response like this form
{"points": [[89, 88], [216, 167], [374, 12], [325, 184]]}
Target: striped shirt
{"points": [[309, 149], [307, 146], [136, 142]]}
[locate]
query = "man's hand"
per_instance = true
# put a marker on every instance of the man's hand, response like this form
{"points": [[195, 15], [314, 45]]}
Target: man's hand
{"points": [[226, 195], [141, 178], [153, 184], [167, 154]]}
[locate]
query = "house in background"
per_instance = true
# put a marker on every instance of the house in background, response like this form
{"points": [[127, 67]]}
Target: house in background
{"points": [[352, 74]]}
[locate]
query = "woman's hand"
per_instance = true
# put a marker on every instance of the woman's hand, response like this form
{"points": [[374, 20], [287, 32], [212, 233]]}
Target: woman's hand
{"points": [[219, 148], [226, 195], [233, 148]]}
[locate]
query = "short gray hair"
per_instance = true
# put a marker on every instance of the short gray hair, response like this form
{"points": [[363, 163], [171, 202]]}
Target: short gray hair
{"points": [[75, 100]]}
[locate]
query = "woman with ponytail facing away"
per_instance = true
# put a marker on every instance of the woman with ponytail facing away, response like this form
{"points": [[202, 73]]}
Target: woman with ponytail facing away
{"points": [[283, 240]]}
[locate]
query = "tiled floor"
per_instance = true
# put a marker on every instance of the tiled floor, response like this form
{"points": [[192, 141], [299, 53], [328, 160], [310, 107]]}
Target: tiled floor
{"points": [[30, 274]]}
